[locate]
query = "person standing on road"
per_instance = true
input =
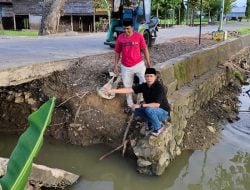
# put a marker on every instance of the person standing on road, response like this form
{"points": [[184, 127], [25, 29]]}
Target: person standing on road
{"points": [[129, 46], [155, 108]]}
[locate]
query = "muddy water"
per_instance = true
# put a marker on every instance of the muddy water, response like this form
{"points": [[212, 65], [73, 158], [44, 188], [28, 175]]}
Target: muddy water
{"points": [[224, 166]]}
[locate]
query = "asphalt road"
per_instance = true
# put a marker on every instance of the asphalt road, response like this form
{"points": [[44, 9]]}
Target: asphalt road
{"points": [[20, 51]]}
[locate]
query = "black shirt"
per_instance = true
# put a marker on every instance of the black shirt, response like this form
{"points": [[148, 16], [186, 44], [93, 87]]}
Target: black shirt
{"points": [[154, 94]]}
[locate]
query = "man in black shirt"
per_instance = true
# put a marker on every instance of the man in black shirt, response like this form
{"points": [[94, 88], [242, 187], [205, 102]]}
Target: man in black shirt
{"points": [[155, 108]]}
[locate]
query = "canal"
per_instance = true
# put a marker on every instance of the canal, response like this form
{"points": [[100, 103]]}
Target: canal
{"points": [[224, 166]]}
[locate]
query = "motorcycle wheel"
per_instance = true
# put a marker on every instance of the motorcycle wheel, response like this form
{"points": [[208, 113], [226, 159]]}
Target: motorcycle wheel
{"points": [[147, 38]]}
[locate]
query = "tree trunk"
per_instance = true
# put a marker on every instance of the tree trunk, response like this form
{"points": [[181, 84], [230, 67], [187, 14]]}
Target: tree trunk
{"points": [[1, 23], [192, 17], [52, 11], [187, 18]]}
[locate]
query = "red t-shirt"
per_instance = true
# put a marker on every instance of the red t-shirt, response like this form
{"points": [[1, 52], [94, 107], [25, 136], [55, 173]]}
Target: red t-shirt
{"points": [[130, 47]]}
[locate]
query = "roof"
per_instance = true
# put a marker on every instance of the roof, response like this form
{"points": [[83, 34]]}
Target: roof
{"points": [[5, 1]]}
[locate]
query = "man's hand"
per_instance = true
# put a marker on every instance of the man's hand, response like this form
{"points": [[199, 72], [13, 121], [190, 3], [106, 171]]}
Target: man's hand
{"points": [[108, 91], [148, 65], [117, 59], [116, 69], [135, 106]]}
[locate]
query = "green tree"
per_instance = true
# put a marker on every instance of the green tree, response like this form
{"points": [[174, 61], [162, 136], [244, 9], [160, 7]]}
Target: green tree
{"points": [[180, 12], [170, 8], [247, 13], [228, 6], [183, 11], [212, 8], [160, 6], [157, 6], [193, 6], [102, 5]]}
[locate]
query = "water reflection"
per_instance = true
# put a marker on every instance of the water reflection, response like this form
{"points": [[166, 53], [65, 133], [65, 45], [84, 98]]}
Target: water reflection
{"points": [[225, 166], [113, 173]]}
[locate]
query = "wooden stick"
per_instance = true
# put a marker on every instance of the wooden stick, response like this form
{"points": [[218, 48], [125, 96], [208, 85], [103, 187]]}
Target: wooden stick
{"points": [[107, 154], [128, 126], [126, 134], [124, 141], [124, 147]]}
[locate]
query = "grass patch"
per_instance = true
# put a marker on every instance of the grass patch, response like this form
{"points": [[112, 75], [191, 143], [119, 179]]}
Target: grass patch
{"points": [[244, 30], [18, 33]]}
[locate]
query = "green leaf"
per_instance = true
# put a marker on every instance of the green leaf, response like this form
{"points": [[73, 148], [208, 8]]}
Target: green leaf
{"points": [[28, 146]]}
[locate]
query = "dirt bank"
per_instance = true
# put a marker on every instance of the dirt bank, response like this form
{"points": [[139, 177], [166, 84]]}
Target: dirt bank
{"points": [[75, 90], [204, 127]]}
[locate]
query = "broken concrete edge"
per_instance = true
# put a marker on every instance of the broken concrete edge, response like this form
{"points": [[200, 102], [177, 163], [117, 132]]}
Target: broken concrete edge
{"points": [[44, 176], [27, 73]]}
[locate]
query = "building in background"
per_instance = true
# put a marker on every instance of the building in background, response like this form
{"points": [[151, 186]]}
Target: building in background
{"points": [[79, 15], [237, 13], [6, 13]]}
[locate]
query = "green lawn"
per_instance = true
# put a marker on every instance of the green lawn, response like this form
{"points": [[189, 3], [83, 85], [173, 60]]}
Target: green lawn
{"points": [[18, 33], [244, 30]]}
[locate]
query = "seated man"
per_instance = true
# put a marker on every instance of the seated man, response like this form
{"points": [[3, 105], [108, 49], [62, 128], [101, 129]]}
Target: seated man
{"points": [[155, 108]]}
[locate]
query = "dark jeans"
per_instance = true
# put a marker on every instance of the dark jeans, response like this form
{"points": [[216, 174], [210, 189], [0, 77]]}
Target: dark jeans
{"points": [[154, 116]]}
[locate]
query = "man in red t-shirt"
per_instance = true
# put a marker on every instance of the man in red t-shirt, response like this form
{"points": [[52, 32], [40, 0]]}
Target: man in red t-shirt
{"points": [[129, 46]]}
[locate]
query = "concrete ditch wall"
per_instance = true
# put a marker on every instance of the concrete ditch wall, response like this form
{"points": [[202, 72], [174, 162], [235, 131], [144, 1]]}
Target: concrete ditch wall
{"points": [[192, 80]]}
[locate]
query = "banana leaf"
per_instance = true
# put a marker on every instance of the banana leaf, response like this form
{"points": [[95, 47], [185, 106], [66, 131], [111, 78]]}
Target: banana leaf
{"points": [[28, 146]]}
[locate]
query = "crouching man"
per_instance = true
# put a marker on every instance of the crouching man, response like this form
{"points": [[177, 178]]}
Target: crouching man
{"points": [[155, 108]]}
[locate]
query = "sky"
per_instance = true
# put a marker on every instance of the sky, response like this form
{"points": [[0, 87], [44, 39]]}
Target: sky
{"points": [[241, 3]]}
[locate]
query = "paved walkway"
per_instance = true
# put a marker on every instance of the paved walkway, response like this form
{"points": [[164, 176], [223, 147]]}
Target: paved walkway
{"points": [[27, 52]]}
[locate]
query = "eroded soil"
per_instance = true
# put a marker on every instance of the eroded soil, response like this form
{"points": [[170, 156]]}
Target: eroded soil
{"points": [[203, 128]]}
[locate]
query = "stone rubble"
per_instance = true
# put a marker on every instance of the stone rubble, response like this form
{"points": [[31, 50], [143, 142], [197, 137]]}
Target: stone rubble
{"points": [[42, 176]]}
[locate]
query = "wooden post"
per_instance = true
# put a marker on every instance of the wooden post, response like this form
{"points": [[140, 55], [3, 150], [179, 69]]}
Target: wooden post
{"points": [[71, 23], [94, 22], [14, 20], [81, 23], [29, 22]]}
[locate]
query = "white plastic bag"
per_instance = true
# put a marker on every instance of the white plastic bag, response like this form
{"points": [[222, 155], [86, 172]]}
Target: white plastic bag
{"points": [[111, 84]]}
